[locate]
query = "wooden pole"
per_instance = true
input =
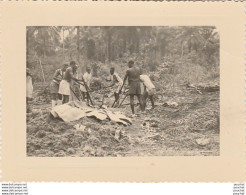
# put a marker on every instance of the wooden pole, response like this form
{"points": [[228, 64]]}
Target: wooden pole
{"points": [[63, 53], [74, 93], [87, 90], [42, 70], [182, 50], [123, 100], [116, 100]]}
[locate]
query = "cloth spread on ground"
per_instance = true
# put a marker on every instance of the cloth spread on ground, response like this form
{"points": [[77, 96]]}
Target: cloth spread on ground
{"points": [[76, 110], [98, 114], [67, 112], [119, 118]]}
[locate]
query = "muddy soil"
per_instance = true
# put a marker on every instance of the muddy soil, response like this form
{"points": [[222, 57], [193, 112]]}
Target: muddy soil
{"points": [[166, 130]]}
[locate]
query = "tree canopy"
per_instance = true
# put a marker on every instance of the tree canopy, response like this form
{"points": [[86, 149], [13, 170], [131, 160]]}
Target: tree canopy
{"points": [[105, 44]]}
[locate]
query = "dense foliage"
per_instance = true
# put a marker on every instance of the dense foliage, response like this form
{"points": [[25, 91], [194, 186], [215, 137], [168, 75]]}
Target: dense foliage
{"points": [[48, 47]]}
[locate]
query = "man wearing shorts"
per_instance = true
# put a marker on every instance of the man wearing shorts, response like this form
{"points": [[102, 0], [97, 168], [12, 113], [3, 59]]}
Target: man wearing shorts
{"points": [[133, 76], [56, 98], [64, 88]]}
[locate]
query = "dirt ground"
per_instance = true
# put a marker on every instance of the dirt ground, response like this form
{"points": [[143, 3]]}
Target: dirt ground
{"points": [[188, 126]]}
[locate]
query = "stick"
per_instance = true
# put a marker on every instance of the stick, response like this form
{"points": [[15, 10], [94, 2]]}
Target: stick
{"points": [[42, 70], [87, 90], [102, 101], [118, 96], [74, 93], [80, 94], [83, 98], [123, 100], [115, 101]]}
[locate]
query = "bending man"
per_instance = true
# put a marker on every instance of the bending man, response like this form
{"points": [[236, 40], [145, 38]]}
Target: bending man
{"points": [[117, 82]]}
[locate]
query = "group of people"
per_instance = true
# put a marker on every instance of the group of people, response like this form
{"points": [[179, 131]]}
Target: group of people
{"points": [[61, 87], [139, 85]]}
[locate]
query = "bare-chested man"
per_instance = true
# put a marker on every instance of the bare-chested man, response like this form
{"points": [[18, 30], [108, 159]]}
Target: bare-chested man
{"points": [[56, 98], [133, 76], [116, 82], [64, 88]]}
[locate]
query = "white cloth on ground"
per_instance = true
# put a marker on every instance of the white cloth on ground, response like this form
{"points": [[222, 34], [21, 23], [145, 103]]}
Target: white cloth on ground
{"points": [[67, 113]]}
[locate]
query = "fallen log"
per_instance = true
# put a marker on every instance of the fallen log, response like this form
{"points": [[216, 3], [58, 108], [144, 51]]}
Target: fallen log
{"points": [[203, 88]]}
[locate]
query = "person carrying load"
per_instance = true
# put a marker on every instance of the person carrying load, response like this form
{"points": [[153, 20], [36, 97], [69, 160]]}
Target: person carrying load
{"points": [[148, 90]]}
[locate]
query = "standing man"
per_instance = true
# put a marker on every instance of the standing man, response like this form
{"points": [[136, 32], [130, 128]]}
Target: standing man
{"points": [[56, 98], [148, 90], [133, 76], [87, 81], [117, 82], [29, 90], [64, 88]]}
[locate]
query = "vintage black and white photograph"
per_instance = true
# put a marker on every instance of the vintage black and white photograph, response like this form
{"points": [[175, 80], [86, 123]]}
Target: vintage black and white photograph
{"points": [[122, 91]]}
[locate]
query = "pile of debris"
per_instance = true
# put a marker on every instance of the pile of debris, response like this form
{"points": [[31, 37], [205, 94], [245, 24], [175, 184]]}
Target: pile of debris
{"points": [[201, 88], [41, 94], [76, 110]]}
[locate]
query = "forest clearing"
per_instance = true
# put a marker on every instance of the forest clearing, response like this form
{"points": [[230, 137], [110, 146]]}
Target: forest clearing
{"points": [[182, 63]]}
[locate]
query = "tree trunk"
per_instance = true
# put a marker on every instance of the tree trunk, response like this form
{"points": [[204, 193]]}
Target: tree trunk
{"points": [[182, 50], [63, 53], [44, 48], [78, 45], [109, 46], [40, 63], [137, 45], [124, 44], [27, 44]]}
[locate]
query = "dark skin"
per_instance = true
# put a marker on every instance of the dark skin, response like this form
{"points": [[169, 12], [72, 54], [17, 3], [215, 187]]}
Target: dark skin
{"points": [[55, 96], [146, 96], [116, 95], [71, 73], [84, 94], [140, 100]]}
